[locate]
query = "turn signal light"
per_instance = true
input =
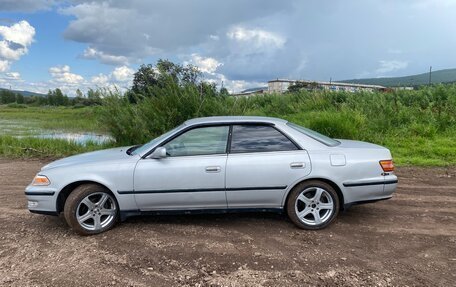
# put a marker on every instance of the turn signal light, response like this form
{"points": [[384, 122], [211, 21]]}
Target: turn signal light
{"points": [[387, 165], [41, 180]]}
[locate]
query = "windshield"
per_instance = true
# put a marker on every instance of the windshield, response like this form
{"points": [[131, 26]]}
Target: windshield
{"points": [[315, 135], [149, 145]]}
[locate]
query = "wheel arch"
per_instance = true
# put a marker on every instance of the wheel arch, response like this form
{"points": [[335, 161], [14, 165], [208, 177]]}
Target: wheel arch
{"points": [[68, 189], [325, 180]]}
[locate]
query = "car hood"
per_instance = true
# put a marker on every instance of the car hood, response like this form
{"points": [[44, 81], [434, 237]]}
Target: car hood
{"points": [[358, 144], [90, 157]]}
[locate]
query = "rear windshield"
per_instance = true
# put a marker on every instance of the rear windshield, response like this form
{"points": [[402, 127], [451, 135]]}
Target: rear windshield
{"points": [[315, 135]]}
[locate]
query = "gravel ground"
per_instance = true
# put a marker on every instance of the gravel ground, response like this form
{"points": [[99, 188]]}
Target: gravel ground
{"points": [[408, 240]]}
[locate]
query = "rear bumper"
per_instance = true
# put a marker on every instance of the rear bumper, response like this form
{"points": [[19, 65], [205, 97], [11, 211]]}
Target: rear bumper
{"points": [[369, 191], [348, 205]]}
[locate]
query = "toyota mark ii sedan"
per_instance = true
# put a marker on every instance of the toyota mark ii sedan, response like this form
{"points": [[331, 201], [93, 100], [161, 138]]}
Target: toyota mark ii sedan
{"points": [[216, 164]]}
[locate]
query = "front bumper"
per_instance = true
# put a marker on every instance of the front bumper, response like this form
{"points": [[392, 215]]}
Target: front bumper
{"points": [[41, 199]]}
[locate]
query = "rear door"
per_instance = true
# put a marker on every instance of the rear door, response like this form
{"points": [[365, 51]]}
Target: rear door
{"points": [[261, 166]]}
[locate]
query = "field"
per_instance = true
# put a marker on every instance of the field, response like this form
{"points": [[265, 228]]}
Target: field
{"points": [[409, 240], [22, 128]]}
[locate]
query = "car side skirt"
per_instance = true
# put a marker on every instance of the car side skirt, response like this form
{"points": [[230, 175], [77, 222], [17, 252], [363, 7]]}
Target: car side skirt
{"points": [[124, 214]]}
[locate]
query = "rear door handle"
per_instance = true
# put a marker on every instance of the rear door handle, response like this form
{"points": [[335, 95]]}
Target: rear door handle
{"points": [[297, 165], [213, 169]]}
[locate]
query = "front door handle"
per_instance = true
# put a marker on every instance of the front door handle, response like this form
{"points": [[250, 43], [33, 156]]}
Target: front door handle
{"points": [[297, 165], [213, 169]]}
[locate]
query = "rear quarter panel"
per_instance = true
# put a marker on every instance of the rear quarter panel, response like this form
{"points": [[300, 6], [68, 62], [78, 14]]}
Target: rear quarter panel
{"points": [[361, 166]]}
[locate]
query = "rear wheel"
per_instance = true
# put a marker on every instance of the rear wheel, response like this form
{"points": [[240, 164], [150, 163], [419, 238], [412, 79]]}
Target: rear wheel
{"points": [[313, 205], [90, 209]]}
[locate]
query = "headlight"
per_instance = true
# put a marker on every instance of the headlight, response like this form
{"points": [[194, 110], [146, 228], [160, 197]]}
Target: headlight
{"points": [[41, 180]]}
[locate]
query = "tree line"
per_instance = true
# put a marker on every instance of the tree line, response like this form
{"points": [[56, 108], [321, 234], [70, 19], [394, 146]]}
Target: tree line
{"points": [[145, 81], [53, 98]]}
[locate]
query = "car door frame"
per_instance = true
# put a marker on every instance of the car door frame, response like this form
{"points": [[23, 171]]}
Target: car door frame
{"points": [[272, 195], [222, 171]]}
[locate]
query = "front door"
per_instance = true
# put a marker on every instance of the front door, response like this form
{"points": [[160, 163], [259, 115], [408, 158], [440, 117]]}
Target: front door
{"points": [[192, 176]]}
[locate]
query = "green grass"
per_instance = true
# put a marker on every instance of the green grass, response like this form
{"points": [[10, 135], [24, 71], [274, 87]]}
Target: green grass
{"points": [[53, 118], [30, 147]]}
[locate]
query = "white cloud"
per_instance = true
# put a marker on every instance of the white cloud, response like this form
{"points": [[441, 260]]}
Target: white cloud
{"points": [[256, 37], [12, 76], [390, 66], [204, 64], [14, 43], [92, 53], [123, 74], [101, 80], [62, 75], [4, 65]]}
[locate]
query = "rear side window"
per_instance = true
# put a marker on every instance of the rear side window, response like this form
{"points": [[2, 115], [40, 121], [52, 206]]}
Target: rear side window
{"points": [[259, 138]]}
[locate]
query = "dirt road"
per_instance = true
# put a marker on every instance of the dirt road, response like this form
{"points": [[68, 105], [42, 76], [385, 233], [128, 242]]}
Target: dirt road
{"points": [[409, 240]]}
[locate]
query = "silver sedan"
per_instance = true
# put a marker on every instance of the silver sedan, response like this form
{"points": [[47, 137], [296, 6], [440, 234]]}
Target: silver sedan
{"points": [[216, 164]]}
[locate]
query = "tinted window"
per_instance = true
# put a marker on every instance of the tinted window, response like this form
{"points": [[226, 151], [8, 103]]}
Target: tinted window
{"points": [[253, 138], [199, 141]]}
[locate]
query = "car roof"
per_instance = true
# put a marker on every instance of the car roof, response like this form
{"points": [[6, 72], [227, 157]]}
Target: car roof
{"points": [[235, 119]]}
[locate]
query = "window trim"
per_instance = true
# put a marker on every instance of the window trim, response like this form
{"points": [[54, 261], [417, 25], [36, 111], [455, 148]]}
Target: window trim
{"points": [[298, 147], [230, 134]]}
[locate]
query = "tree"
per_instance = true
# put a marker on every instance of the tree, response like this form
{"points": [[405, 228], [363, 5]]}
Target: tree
{"points": [[7, 96], [159, 76], [19, 98], [79, 94], [224, 92], [143, 78]]}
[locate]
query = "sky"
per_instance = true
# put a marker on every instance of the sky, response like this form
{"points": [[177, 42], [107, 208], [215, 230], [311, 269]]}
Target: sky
{"points": [[71, 44]]}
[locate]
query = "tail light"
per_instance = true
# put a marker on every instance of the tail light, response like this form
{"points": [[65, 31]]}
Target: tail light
{"points": [[387, 165]]}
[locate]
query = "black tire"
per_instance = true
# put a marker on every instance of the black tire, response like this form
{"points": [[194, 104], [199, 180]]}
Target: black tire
{"points": [[313, 208], [94, 219]]}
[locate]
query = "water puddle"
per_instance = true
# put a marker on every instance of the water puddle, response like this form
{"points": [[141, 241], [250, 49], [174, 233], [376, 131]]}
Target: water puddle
{"points": [[28, 129], [79, 138]]}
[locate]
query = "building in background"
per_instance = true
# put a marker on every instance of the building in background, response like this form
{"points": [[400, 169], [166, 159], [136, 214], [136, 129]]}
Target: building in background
{"points": [[252, 92], [282, 85]]}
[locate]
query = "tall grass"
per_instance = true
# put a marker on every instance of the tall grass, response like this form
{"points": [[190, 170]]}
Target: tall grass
{"points": [[418, 126], [30, 147]]}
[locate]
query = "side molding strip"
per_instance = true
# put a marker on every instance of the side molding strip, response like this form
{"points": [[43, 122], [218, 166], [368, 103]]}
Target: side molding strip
{"points": [[370, 183], [201, 190]]}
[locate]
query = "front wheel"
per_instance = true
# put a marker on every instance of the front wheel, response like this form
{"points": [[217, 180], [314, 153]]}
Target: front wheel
{"points": [[90, 209], [313, 205]]}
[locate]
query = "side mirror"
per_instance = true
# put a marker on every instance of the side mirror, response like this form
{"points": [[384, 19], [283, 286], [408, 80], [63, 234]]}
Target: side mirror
{"points": [[159, 153]]}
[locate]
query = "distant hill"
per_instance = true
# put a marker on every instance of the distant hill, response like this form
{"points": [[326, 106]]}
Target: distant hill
{"points": [[441, 76], [25, 93]]}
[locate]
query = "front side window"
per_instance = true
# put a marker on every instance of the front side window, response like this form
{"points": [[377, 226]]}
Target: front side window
{"points": [[259, 138], [199, 141]]}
